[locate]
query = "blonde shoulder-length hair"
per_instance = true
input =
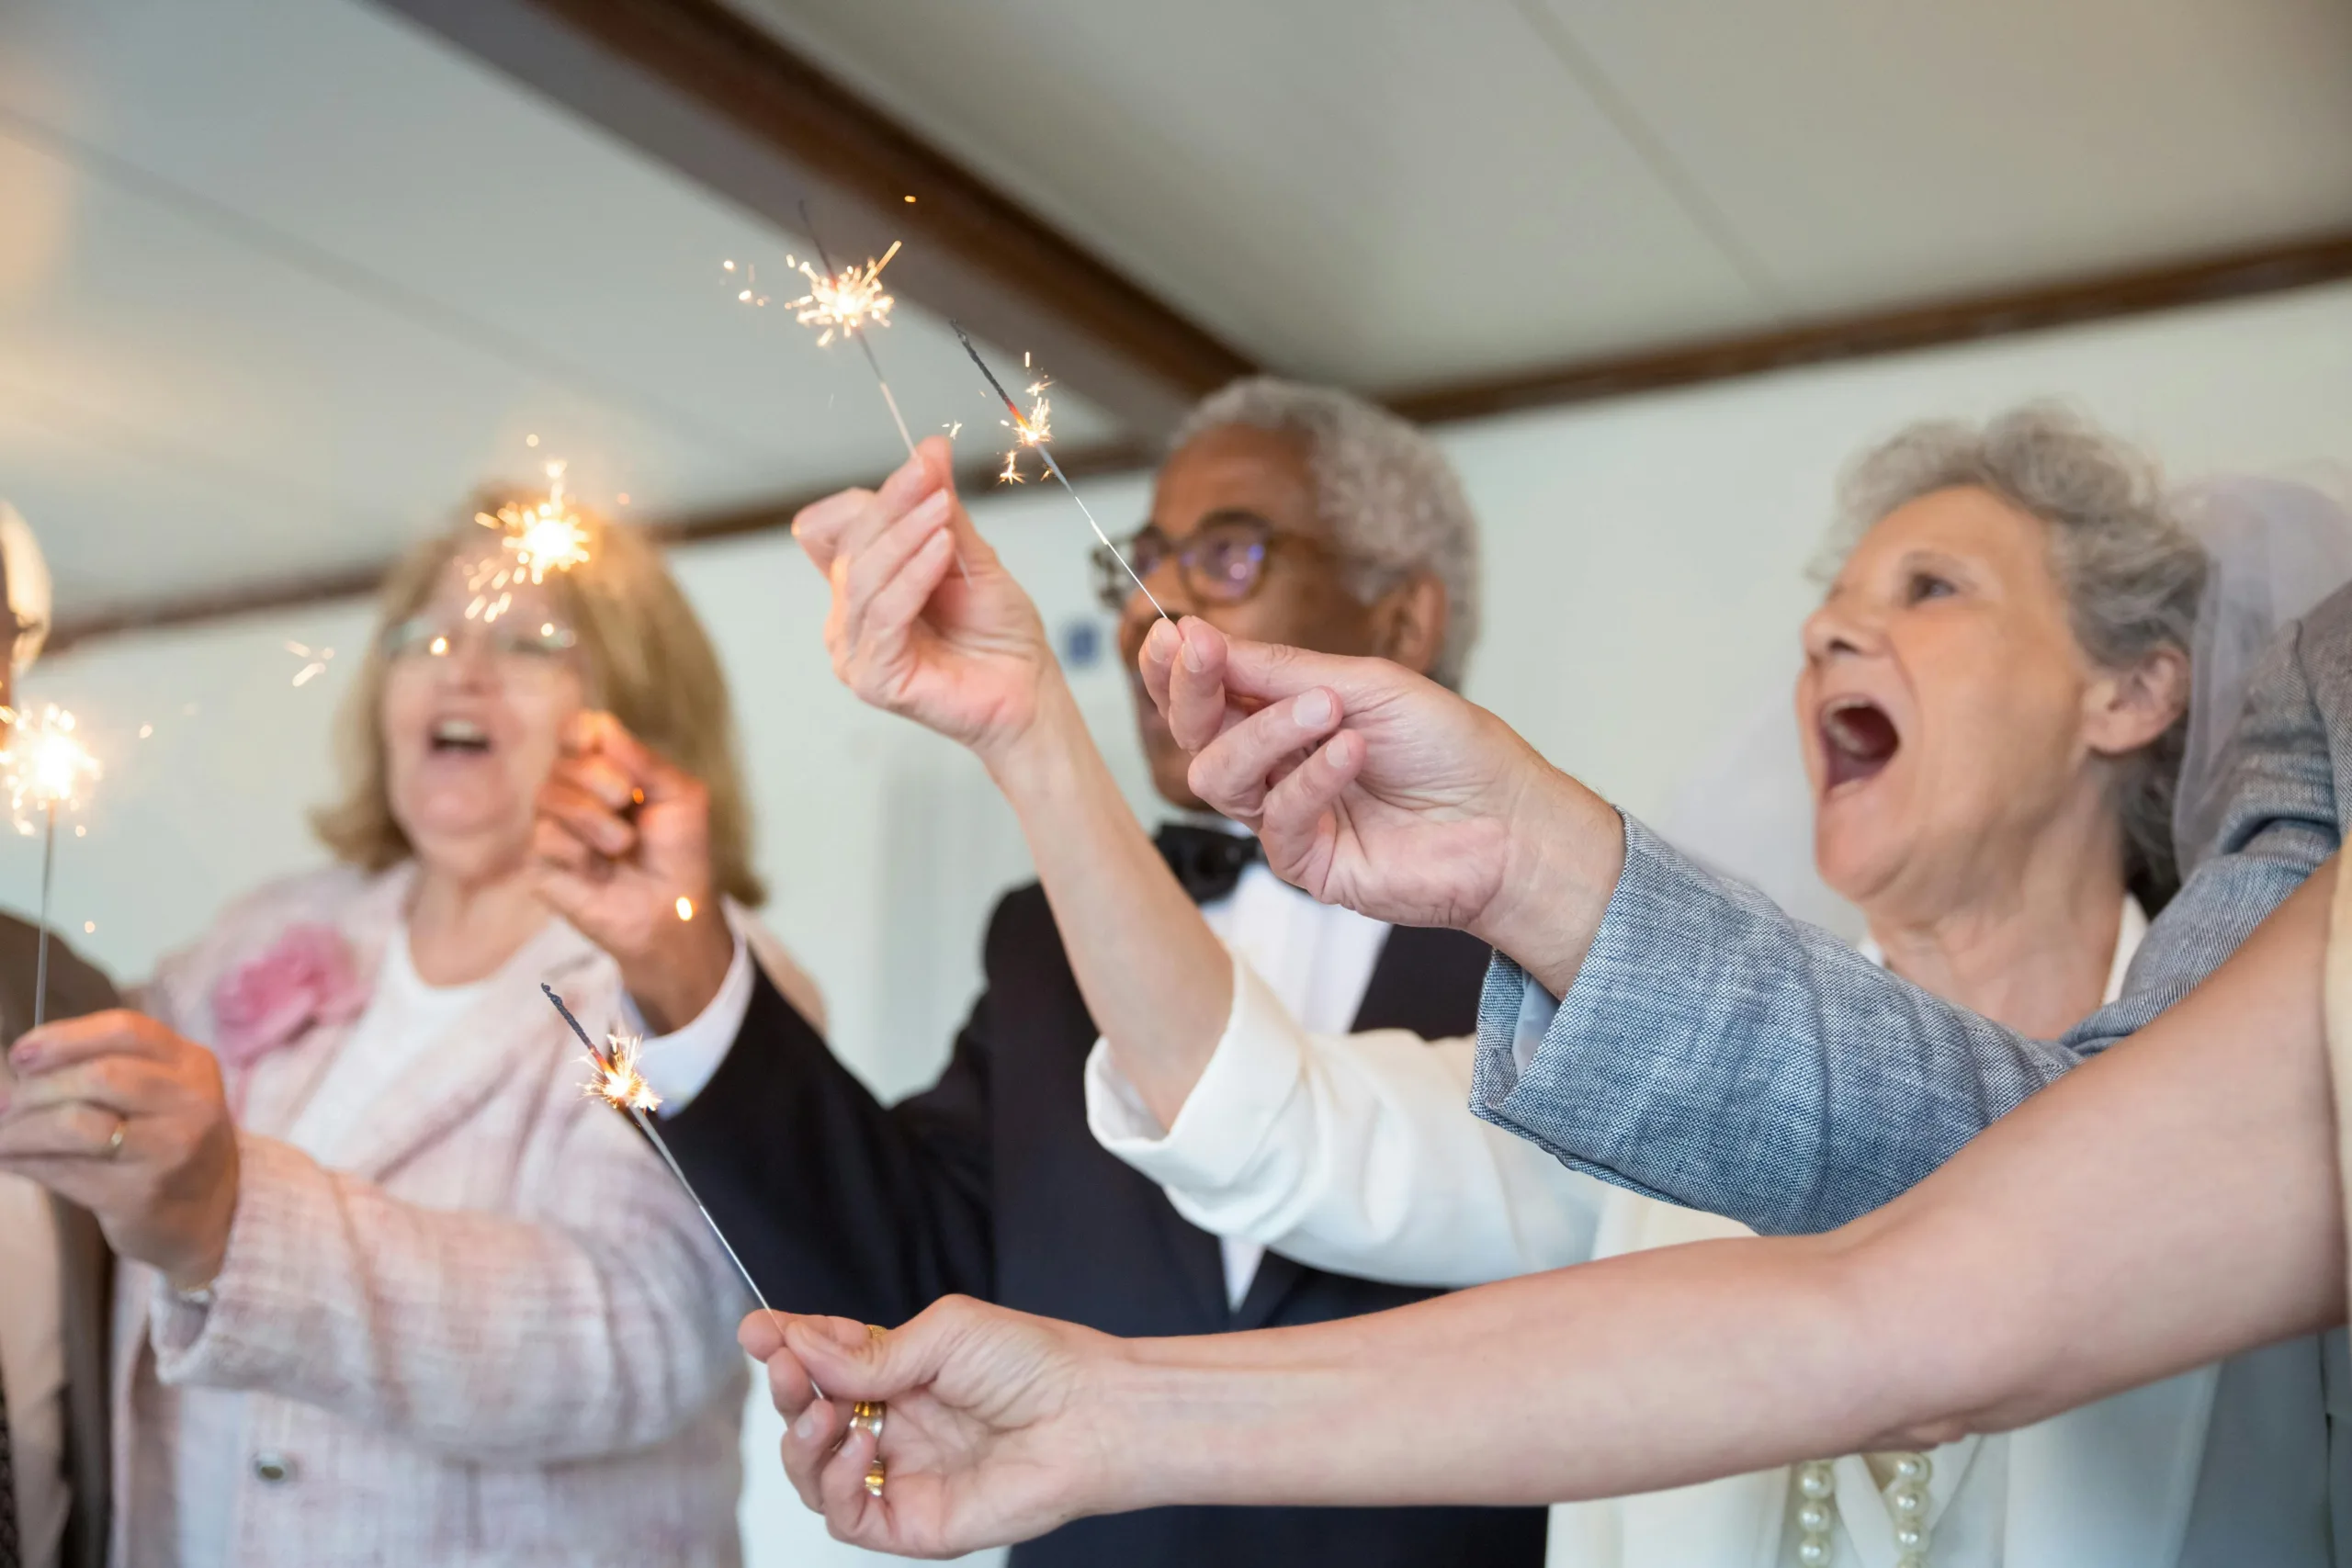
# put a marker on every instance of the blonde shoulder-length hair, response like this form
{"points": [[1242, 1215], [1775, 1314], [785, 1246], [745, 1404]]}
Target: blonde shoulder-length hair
{"points": [[646, 659]]}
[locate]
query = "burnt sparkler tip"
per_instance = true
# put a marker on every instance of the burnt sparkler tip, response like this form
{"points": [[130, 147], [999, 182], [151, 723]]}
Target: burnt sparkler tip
{"points": [[994, 385], [558, 1000]]}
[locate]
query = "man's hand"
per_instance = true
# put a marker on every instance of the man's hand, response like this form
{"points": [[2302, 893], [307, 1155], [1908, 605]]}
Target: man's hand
{"points": [[621, 836], [957, 648], [1378, 789], [117, 1113], [988, 1438]]}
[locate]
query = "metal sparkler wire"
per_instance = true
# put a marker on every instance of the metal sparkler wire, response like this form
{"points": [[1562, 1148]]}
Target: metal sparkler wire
{"points": [[40, 960], [626, 1091], [809, 225], [1020, 427], [44, 765], [637, 1114], [873, 362]]}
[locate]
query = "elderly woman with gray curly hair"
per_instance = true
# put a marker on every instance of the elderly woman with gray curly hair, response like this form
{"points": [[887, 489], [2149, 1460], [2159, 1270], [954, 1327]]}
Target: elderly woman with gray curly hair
{"points": [[1991, 714]]}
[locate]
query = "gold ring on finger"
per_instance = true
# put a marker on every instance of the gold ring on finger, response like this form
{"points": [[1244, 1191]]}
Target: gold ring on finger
{"points": [[867, 1416]]}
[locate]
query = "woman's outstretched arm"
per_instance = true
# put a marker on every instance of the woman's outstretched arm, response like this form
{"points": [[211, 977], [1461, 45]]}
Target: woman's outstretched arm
{"points": [[2174, 1201]]}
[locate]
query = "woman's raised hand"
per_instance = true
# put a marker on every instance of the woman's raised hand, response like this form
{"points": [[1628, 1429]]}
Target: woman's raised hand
{"points": [[925, 621], [1378, 789], [622, 836], [992, 1434]]}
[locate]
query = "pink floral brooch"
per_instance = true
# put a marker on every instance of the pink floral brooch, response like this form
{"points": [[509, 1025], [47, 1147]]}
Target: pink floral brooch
{"points": [[306, 979]]}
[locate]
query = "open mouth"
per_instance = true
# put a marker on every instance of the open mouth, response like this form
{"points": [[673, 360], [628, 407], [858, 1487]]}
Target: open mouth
{"points": [[461, 735], [1858, 740]]}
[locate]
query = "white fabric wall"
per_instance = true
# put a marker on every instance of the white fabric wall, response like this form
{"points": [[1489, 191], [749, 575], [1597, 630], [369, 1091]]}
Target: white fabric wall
{"points": [[1644, 578]]}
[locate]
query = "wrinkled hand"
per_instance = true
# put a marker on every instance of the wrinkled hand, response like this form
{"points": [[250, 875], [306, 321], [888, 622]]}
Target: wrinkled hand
{"points": [[990, 1438], [167, 1193], [958, 650], [1369, 785], [621, 836]]}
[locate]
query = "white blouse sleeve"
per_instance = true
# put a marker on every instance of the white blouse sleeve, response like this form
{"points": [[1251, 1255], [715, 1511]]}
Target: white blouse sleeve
{"points": [[1355, 1153]]}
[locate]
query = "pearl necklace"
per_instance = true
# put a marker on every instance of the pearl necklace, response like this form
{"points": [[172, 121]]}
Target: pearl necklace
{"points": [[1906, 1507]]}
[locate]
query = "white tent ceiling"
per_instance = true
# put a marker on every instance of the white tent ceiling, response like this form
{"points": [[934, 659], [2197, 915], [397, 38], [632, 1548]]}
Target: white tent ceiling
{"points": [[282, 280], [1393, 193]]}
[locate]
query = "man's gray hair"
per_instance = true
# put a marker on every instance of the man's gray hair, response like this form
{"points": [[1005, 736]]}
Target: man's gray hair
{"points": [[2131, 571], [1391, 500]]}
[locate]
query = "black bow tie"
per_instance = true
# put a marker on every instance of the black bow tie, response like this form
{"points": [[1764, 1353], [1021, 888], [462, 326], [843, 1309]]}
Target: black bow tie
{"points": [[1208, 863]]}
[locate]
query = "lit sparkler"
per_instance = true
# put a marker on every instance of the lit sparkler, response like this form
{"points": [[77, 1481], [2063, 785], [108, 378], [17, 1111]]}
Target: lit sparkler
{"points": [[850, 302], [45, 768], [535, 538], [847, 301], [619, 1085], [1033, 430]]}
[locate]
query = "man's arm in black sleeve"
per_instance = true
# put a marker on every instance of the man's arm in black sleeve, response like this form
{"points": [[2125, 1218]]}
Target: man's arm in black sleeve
{"points": [[836, 1202]]}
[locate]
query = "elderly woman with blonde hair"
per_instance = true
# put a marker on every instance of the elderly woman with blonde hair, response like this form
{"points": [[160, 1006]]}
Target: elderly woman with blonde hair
{"points": [[426, 1303]]}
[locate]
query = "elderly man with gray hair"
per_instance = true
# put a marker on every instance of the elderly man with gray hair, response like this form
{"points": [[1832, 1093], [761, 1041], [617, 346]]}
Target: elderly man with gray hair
{"points": [[1283, 512]]}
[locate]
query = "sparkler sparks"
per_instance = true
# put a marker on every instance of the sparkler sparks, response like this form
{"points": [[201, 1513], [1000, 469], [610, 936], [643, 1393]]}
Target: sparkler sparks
{"points": [[847, 301], [535, 538], [617, 1081], [46, 767], [314, 663], [1031, 429], [619, 1085], [1035, 431]]}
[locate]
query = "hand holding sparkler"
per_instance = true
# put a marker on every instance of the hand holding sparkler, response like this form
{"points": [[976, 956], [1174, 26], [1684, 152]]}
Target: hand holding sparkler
{"points": [[622, 847], [1002, 1425], [1375, 788], [967, 659], [117, 1113]]}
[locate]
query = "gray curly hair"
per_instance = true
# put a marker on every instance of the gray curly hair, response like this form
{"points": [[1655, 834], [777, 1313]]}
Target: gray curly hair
{"points": [[2131, 571], [1391, 500]]}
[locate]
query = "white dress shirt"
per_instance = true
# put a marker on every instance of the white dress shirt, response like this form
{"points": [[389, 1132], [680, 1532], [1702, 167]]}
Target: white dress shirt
{"points": [[32, 1360], [1317, 960], [1357, 1153]]}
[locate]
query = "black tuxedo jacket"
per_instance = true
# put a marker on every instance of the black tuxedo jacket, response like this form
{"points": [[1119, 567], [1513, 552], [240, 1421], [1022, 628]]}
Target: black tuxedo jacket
{"points": [[990, 1184]]}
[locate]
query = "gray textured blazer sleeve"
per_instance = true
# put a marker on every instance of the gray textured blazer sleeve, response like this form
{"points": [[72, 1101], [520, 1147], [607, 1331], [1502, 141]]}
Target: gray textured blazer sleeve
{"points": [[1715, 1053]]}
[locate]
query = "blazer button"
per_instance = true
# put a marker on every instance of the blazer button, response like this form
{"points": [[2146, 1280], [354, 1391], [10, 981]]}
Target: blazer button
{"points": [[273, 1467]]}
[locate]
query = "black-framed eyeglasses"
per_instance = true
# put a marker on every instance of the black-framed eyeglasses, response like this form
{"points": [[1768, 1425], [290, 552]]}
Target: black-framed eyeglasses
{"points": [[1223, 561]]}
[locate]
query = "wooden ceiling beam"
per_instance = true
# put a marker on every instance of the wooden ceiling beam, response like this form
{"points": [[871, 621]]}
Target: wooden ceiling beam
{"points": [[309, 589], [2265, 269], [2242, 274], [728, 104]]}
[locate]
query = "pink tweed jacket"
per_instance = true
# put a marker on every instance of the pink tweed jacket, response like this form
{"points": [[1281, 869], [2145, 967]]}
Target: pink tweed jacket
{"points": [[488, 1329]]}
